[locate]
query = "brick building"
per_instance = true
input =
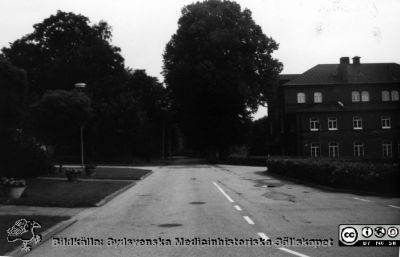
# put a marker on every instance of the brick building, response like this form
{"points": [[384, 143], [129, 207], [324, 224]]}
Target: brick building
{"points": [[345, 110]]}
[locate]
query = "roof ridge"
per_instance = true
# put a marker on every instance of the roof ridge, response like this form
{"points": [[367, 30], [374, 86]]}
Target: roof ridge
{"points": [[360, 73]]}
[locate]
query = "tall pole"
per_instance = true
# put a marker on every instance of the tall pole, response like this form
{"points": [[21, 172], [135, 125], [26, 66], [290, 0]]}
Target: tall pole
{"points": [[80, 86]]}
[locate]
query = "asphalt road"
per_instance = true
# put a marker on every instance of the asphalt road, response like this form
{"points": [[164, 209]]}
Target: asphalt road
{"points": [[227, 202]]}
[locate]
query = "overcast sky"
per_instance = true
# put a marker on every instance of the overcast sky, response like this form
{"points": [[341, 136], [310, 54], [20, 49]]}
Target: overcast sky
{"points": [[309, 32]]}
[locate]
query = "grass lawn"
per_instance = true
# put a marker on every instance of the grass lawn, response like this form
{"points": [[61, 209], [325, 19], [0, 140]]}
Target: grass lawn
{"points": [[110, 173], [60, 193], [7, 221]]}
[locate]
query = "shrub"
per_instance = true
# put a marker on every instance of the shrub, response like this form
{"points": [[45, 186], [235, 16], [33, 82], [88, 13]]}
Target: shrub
{"points": [[26, 159]]}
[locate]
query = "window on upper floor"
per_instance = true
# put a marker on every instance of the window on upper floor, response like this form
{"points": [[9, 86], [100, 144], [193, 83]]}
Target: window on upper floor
{"points": [[314, 124], [365, 96], [387, 149], [386, 122], [317, 97], [395, 95], [357, 122], [385, 96], [332, 123], [301, 98], [358, 149], [355, 96]]}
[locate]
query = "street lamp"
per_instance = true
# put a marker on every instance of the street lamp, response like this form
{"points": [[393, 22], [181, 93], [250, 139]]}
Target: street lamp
{"points": [[80, 87]]}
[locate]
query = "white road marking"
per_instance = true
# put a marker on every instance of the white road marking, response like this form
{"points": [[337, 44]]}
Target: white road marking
{"points": [[397, 207], [247, 218], [263, 236], [223, 192], [360, 199], [292, 252], [251, 222], [237, 207]]}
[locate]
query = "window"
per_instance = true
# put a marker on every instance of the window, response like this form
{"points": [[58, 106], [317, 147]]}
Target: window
{"points": [[314, 124], [317, 97], [395, 95], [332, 123], [385, 96], [315, 150], [385, 121], [387, 149], [358, 149], [355, 96], [333, 150], [301, 98], [365, 96], [357, 122]]}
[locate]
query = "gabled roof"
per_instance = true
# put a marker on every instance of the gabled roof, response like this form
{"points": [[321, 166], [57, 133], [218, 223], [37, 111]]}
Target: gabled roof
{"points": [[348, 74], [285, 78]]}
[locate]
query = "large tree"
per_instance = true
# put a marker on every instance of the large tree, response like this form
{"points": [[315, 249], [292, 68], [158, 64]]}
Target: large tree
{"points": [[20, 156], [132, 122], [57, 118], [219, 69], [13, 96], [65, 49]]}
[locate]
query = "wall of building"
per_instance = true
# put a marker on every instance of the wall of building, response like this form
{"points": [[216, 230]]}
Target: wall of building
{"points": [[297, 119]]}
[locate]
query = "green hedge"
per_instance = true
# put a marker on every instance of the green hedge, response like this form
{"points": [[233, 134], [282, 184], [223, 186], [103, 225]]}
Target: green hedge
{"points": [[24, 160], [349, 175]]}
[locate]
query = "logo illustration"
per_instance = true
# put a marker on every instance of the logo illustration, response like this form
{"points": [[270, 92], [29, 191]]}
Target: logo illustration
{"points": [[367, 232], [349, 235], [380, 232], [392, 232], [24, 230]]}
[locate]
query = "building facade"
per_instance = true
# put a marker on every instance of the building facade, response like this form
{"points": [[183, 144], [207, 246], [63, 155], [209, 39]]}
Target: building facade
{"points": [[346, 110]]}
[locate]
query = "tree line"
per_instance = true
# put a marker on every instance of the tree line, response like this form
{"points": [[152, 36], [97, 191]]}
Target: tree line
{"points": [[218, 67]]}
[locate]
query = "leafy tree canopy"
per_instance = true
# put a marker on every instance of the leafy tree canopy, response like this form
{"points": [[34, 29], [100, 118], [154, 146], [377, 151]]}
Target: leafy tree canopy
{"points": [[13, 94], [218, 67], [58, 116], [132, 122], [65, 49]]}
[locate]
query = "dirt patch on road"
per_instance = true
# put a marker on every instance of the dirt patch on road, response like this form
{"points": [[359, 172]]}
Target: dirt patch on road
{"points": [[197, 203], [169, 225], [280, 196], [267, 183]]}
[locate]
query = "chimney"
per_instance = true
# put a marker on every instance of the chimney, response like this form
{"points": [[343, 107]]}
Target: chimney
{"points": [[344, 60], [342, 68], [356, 60]]}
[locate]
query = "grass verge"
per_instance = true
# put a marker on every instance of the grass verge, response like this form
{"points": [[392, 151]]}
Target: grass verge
{"points": [[60, 193], [110, 173], [7, 221]]}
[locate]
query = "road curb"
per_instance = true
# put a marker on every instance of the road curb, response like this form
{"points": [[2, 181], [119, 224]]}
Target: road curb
{"points": [[45, 236], [146, 175], [116, 193], [113, 195]]}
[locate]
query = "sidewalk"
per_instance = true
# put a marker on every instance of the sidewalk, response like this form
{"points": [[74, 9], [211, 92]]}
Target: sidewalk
{"points": [[91, 179], [36, 210]]}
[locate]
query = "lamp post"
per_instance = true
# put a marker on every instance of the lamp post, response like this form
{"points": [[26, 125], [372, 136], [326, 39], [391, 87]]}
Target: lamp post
{"points": [[80, 87]]}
